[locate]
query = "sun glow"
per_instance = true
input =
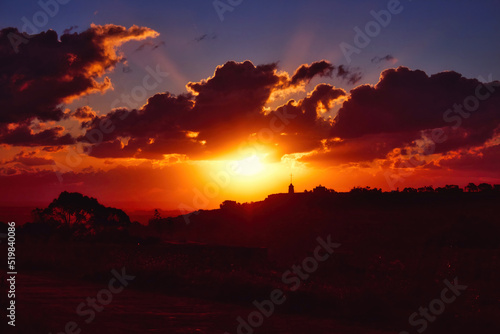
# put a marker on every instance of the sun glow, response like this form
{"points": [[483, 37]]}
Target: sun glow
{"points": [[242, 178], [249, 166]]}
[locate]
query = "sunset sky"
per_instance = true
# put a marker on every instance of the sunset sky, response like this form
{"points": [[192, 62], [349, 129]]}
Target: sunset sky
{"points": [[183, 104]]}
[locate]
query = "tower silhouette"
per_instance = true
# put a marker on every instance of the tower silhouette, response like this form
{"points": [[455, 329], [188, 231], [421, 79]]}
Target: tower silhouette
{"points": [[290, 187]]}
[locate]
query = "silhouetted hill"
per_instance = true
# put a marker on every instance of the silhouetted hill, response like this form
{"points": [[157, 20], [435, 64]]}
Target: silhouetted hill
{"points": [[396, 250], [289, 224]]}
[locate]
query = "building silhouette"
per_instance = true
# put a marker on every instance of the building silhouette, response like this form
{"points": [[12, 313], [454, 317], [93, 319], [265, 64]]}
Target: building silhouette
{"points": [[291, 189], [318, 191]]}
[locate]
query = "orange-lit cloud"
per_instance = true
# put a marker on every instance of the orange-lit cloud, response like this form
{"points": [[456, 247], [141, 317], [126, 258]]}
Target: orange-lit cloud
{"points": [[227, 112], [47, 71]]}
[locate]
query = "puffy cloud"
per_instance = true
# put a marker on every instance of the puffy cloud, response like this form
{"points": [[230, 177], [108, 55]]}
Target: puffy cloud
{"points": [[305, 127], [40, 72], [219, 114], [402, 110], [219, 111], [228, 109], [154, 130], [235, 90], [406, 106]]}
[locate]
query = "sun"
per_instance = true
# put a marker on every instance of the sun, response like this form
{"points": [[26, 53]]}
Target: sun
{"points": [[249, 166]]}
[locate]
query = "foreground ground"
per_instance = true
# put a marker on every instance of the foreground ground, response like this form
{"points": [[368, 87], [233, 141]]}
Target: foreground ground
{"points": [[47, 303]]}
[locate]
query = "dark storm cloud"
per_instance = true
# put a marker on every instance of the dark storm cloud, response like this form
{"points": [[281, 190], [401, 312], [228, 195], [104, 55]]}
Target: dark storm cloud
{"points": [[40, 72]]}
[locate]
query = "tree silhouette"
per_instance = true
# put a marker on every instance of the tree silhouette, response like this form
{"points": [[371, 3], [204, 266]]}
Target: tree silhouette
{"points": [[449, 189], [485, 187], [471, 188], [427, 189], [81, 214]]}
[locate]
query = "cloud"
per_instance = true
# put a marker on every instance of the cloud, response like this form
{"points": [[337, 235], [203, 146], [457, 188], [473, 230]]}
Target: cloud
{"points": [[305, 127], [218, 115], [227, 109], [46, 71], [305, 73], [236, 90], [202, 37], [205, 37], [351, 76], [53, 149], [388, 58], [23, 135], [153, 130], [367, 148], [143, 45], [84, 113], [153, 45], [414, 104], [69, 30], [216, 109], [157, 45], [486, 159], [29, 159]]}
